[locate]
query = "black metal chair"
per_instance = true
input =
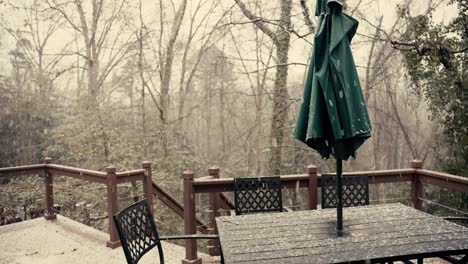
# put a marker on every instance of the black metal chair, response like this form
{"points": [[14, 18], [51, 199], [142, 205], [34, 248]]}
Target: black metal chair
{"points": [[262, 194], [355, 190], [138, 233]]}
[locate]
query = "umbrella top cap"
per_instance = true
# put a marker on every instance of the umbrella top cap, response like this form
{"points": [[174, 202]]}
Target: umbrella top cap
{"points": [[335, 6], [328, 7]]}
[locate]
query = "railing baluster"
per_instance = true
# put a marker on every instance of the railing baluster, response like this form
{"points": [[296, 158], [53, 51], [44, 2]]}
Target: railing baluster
{"points": [[313, 186], [190, 220], [416, 186], [214, 200], [49, 192], [148, 184], [112, 208]]}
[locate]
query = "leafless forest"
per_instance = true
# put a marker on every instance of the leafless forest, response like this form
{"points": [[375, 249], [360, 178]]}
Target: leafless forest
{"points": [[201, 83]]}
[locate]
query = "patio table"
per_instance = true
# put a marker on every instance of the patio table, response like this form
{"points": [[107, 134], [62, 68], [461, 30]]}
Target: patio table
{"points": [[372, 234]]}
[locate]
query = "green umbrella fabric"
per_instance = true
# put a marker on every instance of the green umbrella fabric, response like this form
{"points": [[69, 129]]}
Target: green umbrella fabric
{"points": [[321, 7], [333, 117]]}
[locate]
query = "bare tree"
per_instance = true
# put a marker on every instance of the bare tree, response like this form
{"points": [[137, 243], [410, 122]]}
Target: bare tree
{"points": [[35, 69], [258, 90], [205, 42], [281, 39], [104, 48], [101, 51], [166, 62]]}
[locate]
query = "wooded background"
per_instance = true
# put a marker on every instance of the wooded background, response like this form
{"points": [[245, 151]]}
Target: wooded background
{"points": [[201, 83]]}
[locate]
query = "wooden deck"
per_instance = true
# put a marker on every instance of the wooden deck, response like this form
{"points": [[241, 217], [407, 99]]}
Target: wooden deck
{"points": [[376, 232], [63, 240]]}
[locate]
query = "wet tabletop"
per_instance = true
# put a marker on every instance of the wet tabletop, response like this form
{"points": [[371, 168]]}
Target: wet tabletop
{"points": [[371, 232]]}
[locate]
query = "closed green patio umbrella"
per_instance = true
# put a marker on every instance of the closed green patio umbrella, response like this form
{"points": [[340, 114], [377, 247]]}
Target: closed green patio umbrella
{"points": [[333, 117]]}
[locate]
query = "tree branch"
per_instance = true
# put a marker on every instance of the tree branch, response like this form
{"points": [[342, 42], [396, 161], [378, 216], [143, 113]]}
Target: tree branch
{"points": [[56, 8], [406, 135], [277, 65], [262, 20], [257, 21], [306, 13]]}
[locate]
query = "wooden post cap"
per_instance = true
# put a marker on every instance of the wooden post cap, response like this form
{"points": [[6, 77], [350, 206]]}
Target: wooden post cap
{"points": [[213, 171], [48, 160], [416, 164], [111, 169], [188, 175], [312, 169], [146, 164]]}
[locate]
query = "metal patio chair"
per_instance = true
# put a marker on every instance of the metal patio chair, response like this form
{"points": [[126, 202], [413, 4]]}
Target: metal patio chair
{"points": [[138, 234], [355, 190], [261, 194]]}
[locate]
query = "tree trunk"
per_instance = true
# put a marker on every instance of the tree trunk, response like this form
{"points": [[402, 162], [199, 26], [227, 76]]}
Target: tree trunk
{"points": [[166, 76], [280, 97], [222, 120], [281, 40]]}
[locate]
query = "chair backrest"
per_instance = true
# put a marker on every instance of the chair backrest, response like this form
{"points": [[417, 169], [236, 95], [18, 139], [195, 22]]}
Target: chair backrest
{"points": [[355, 190], [252, 195], [137, 231]]}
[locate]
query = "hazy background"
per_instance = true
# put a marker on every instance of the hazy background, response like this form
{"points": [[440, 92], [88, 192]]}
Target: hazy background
{"points": [[201, 83]]}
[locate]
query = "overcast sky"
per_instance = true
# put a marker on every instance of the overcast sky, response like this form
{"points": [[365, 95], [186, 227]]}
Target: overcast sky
{"points": [[300, 49]]}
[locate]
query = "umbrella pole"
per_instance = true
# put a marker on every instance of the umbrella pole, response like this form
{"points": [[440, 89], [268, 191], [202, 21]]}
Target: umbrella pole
{"points": [[339, 190]]}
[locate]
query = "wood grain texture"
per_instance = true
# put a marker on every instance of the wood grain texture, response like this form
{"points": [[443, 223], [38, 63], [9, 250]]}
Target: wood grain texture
{"points": [[371, 233]]}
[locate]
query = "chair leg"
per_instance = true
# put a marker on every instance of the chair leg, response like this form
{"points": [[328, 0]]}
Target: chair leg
{"points": [[450, 259], [464, 259]]}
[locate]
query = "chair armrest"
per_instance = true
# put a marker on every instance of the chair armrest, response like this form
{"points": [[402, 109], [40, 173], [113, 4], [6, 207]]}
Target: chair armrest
{"points": [[184, 237], [456, 218]]}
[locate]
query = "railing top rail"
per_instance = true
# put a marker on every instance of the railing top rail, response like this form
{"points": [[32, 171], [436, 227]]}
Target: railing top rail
{"points": [[76, 170], [208, 180], [137, 172], [80, 173], [25, 167], [21, 170], [443, 176], [394, 172], [209, 184]]}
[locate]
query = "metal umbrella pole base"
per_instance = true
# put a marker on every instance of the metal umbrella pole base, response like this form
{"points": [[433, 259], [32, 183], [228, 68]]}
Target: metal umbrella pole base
{"points": [[339, 190]]}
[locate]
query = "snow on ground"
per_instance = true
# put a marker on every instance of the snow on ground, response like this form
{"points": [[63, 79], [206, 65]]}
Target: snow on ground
{"points": [[66, 241]]}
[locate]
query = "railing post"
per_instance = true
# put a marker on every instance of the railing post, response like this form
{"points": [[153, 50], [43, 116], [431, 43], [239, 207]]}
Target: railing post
{"points": [[416, 186], [313, 186], [49, 189], [148, 184], [189, 219], [214, 204], [112, 208]]}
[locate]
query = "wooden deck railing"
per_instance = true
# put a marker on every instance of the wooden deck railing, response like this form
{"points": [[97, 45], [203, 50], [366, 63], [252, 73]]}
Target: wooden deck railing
{"points": [[111, 178], [214, 186]]}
